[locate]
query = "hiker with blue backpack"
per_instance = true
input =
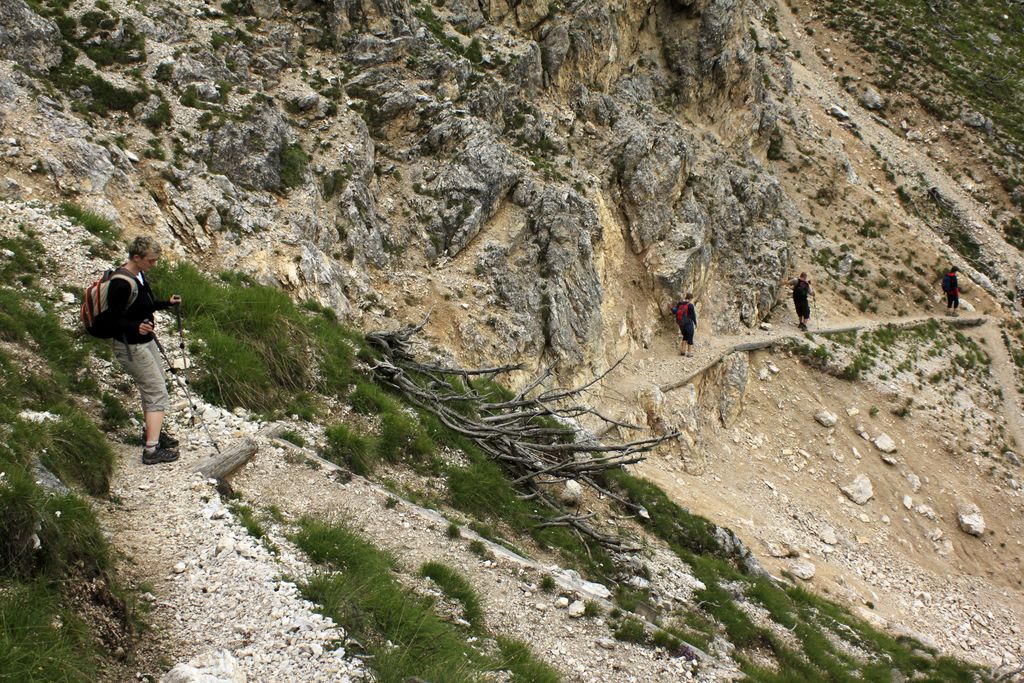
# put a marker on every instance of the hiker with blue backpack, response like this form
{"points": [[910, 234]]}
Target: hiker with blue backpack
{"points": [[120, 307], [686, 318], [951, 287]]}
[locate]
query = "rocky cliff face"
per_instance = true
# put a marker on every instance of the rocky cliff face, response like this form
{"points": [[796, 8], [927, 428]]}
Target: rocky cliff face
{"points": [[568, 158]]}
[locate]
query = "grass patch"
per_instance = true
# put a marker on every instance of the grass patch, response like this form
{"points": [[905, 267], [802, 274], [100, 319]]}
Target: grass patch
{"points": [[630, 630], [97, 225], [350, 449], [40, 639], [399, 628], [255, 347], [456, 587]]}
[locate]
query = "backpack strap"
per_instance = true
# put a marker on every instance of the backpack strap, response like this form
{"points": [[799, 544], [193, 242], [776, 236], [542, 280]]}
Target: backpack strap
{"points": [[133, 283]]}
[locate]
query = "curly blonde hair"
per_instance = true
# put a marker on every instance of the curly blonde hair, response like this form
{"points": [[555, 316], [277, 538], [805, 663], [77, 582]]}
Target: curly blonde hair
{"points": [[143, 245]]}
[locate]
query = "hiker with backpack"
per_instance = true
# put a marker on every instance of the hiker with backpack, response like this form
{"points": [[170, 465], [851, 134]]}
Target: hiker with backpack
{"points": [[686, 318], [951, 287], [802, 294], [120, 306]]}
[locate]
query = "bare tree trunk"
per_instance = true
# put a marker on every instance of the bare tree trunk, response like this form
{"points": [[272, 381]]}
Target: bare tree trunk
{"points": [[533, 434]]}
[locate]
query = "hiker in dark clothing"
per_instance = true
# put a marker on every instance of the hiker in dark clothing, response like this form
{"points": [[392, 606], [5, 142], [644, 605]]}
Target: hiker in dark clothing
{"points": [[132, 307], [802, 292], [686, 317], [951, 287]]}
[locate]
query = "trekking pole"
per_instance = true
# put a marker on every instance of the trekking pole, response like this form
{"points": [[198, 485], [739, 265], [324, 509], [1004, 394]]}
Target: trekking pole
{"points": [[183, 385], [181, 338]]}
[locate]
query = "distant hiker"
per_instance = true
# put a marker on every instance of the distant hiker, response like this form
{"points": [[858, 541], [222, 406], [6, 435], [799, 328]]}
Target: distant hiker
{"points": [[951, 287], [686, 317], [131, 305], [802, 292]]}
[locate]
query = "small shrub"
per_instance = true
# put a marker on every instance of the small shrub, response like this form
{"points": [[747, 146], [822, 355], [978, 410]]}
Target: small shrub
{"points": [[294, 162], [160, 117], [775, 145], [630, 630], [247, 518], [547, 583]]}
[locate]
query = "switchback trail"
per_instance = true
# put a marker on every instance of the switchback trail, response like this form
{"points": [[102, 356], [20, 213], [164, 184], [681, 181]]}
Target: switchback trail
{"points": [[708, 355], [661, 364]]}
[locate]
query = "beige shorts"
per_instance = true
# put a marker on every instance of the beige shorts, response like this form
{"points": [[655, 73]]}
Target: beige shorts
{"points": [[143, 363]]}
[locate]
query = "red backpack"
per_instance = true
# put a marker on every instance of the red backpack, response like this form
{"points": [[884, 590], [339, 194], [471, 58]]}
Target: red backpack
{"points": [[681, 310], [95, 305]]}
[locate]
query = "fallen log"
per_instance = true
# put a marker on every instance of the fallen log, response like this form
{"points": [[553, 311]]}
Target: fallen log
{"points": [[222, 465]]}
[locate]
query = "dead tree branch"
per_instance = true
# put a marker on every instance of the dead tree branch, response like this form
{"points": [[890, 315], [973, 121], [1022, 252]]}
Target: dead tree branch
{"points": [[533, 434]]}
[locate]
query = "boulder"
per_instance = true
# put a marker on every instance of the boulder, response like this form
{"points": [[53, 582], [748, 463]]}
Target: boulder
{"points": [[884, 443], [975, 119], [871, 99], [837, 112], [859, 490], [826, 418], [571, 493], [971, 519], [213, 667], [803, 569], [27, 38]]}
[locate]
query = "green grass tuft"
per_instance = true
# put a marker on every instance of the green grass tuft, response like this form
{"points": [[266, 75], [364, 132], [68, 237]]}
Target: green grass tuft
{"points": [[349, 449], [456, 587], [397, 626]]}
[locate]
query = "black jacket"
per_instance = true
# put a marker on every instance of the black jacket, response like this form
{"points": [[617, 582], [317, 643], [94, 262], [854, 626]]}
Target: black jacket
{"points": [[127, 318]]}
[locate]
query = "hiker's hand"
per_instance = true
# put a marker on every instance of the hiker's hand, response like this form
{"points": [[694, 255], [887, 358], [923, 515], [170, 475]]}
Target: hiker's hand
{"points": [[175, 299], [145, 327]]}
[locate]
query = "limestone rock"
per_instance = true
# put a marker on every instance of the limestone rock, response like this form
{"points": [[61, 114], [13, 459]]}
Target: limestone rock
{"points": [[249, 152], [871, 99], [838, 112], [571, 493], [970, 518], [859, 490], [975, 119], [212, 667], [884, 443], [735, 372], [825, 418], [803, 569], [27, 38], [576, 609]]}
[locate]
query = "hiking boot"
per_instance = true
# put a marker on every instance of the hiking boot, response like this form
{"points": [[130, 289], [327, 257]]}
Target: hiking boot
{"points": [[159, 455], [956, 314], [802, 326], [167, 441]]}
